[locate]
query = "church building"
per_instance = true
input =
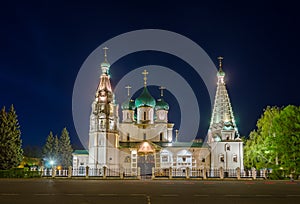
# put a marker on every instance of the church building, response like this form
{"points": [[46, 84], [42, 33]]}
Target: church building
{"points": [[143, 137]]}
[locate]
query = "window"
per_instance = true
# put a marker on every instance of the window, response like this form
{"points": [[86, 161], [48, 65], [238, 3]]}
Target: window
{"points": [[81, 170], [164, 158], [127, 159], [144, 115], [128, 137], [227, 147], [234, 158], [203, 160], [161, 136], [144, 136], [221, 158], [183, 159]]}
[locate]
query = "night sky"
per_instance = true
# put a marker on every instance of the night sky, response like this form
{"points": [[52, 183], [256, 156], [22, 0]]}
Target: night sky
{"points": [[43, 45]]}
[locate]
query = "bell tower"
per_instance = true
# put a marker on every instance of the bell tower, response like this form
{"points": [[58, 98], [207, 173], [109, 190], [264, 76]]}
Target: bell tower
{"points": [[103, 134], [223, 136]]}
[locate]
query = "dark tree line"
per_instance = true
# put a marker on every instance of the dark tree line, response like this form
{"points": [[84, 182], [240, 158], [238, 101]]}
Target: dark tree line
{"points": [[11, 153]]}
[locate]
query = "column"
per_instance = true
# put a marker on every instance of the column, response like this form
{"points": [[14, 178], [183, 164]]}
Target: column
{"points": [[238, 173], [170, 173], [187, 172], [70, 172], [87, 171], [204, 173], [221, 173]]}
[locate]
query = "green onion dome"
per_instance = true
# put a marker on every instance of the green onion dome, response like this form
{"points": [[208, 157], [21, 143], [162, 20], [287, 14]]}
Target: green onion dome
{"points": [[105, 67], [161, 105], [105, 64], [228, 126], [221, 73], [128, 105], [145, 99]]}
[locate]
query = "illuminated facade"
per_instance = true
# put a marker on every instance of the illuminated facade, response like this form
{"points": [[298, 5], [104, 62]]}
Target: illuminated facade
{"points": [[144, 138], [223, 137]]}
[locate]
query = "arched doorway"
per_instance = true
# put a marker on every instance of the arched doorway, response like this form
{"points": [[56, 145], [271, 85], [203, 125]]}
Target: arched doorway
{"points": [[146, 162], [146, 158]]}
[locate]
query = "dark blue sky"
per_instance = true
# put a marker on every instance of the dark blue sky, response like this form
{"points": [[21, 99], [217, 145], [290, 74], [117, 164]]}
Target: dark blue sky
{"points": [[43, 45]]}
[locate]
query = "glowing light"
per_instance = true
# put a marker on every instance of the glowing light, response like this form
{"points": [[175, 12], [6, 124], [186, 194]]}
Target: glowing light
{"points": [[146, 148]]}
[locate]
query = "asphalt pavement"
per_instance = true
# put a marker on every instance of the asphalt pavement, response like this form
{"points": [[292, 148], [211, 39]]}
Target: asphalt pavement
{"points": [[75, 191]]}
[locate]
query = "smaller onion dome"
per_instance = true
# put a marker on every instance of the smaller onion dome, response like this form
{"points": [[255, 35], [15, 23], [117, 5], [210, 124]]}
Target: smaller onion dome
{"points": [[161, 105], [221, 73], [105, 65], [228, 126], [145, 99], [128, 105]]}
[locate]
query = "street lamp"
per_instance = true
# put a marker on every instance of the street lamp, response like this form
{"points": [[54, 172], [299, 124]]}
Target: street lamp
{"points": [[51, 163]]}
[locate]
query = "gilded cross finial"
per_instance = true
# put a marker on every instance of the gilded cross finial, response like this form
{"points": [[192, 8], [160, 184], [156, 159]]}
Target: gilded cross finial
{"points": [[220, 62], [105, 53], [162, 91], [128, 90], [145, 73]]}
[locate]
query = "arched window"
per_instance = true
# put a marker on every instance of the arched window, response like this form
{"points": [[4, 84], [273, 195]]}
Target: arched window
{"points": [[145, 114], [221, 157], [128, 137], [234, 158], [227, 147]]}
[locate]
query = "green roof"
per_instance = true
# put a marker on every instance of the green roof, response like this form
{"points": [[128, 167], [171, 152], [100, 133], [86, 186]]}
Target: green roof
{"points": [[221, 73], [145, 99], [128, 105], [105, 64], [81, 151], [161, 104]]}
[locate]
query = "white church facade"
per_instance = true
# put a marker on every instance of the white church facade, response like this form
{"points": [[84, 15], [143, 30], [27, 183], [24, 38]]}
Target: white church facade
{"points": [[144, 139]]}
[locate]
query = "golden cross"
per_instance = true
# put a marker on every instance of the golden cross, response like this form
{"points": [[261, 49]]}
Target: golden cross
{"points": [[128, 89], [145, 76], [220, 62], [162, 91]]}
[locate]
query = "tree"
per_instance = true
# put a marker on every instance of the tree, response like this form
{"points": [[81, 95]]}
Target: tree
{"points": [[276, 142], [48, 152], [51, 149], [56, 150], [11, 152], [259, 149], [32, 151], [286, 130], [65, 149]]}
